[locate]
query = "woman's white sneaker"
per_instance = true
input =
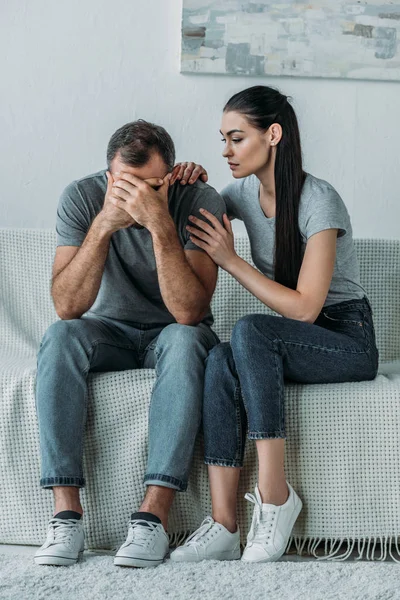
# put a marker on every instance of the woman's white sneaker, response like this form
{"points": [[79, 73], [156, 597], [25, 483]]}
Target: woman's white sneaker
{"points": [[147, 543], [271, 527], [212, 541], [64, 542]]}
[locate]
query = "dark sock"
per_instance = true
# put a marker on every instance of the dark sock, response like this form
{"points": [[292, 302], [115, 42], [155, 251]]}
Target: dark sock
{"points": [[146, 516], [68, 514]]}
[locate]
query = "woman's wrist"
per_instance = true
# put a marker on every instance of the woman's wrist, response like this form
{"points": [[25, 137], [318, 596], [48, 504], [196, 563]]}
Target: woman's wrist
{"points": [[233, 265]]}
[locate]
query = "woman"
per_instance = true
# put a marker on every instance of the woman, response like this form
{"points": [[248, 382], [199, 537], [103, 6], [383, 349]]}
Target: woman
{"points": [[301, 242]]}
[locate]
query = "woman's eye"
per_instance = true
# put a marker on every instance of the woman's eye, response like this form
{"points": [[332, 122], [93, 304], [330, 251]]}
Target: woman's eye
{"points": [[223, 140], [236, 140]]}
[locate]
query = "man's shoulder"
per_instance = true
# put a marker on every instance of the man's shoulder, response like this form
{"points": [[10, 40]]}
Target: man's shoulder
{"points": [[97, 179], [193, 191], [86, 188]]}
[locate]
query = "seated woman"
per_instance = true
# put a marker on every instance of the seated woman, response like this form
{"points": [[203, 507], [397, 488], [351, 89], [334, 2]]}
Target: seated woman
{"points": [[301, 241]]}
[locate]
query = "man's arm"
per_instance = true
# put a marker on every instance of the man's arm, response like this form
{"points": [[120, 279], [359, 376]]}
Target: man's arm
{"points": [[77, 270], [77, 273], [187, 279]]}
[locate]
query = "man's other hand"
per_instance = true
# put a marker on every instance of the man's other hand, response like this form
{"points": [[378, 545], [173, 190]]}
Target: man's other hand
{"points": [[111, 217], [141, 201]]}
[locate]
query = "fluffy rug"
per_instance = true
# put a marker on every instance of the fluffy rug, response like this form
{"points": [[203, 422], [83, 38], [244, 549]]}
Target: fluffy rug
{"points": [[95, 578]]}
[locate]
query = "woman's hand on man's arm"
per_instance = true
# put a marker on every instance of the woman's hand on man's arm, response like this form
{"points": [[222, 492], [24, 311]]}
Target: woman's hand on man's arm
{"points": [[188, 172]]}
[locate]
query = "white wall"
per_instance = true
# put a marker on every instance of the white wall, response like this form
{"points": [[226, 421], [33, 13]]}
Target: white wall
{"points": [[74, 71]]}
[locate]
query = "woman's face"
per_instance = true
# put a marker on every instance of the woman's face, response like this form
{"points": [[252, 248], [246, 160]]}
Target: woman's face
{"points": [[247, 149]]}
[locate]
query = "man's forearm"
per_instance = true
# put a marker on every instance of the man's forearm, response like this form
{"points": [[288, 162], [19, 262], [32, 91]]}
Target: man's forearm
{"points": [[182, 291], [75, 288]]}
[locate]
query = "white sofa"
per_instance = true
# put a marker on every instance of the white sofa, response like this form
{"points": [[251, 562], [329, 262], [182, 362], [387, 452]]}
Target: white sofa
{"points": [[342, 457]]}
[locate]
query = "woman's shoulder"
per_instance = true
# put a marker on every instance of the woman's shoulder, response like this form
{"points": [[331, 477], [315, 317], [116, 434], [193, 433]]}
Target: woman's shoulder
{"points": [[240, 188], [321, 207], [313, 186]]}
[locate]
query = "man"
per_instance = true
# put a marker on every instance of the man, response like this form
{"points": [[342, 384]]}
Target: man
{"points": [[123, 259]]}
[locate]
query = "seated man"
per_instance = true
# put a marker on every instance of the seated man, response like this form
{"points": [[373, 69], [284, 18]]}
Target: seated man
{"points": [[132, 291]]}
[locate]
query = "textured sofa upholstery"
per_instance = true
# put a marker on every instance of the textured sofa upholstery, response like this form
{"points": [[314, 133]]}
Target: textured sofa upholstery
{"points": [[343, 439]]}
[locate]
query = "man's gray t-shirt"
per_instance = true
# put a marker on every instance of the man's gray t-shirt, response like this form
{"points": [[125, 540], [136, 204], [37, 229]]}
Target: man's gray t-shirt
{"points": [[129, 289], [320, 208]]}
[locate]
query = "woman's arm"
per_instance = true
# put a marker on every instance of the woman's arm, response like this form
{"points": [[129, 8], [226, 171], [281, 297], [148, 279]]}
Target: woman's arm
{"points": [[304, 303]]}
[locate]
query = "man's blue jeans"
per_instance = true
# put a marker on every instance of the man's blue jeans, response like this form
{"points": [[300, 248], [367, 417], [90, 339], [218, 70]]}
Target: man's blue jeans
{"points": [[244, 382], [71, 349]]}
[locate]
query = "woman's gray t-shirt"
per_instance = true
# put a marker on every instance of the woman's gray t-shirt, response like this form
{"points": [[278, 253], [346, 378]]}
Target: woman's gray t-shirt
{"points": [[320, 208]]}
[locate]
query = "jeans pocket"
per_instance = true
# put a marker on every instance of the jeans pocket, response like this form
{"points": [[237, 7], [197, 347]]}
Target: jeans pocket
{"points": [[351, 316]]}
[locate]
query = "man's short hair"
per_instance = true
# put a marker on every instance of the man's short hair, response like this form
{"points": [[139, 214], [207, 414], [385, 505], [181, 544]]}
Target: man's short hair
{"points": [[137, 141]]}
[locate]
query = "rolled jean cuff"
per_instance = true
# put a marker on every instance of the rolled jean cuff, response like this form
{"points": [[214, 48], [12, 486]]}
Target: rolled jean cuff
{"points": [[222, 462], [49, 482], [266, 435], [165, 481]]}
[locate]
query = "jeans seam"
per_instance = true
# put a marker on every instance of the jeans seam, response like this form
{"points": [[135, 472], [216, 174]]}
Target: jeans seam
{"points": [[167, 478], [239, 451], [54, 481], [325, 349], [222, 462], [258, 435], [280, 392], [99, 341], [85, 408], [157, 354]]}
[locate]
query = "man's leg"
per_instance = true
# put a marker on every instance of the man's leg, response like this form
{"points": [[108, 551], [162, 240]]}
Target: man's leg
{"points": [[178, 355], [69, 350], [175, 411]]}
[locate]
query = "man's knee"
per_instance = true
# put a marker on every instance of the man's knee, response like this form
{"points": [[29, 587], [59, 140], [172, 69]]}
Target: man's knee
{"points": [[61, 336], [181, 339]]}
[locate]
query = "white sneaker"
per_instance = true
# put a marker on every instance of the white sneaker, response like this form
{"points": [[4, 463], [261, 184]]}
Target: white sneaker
{"points": [[271, 527], [64, 542], [147, 543], [211, 541]]}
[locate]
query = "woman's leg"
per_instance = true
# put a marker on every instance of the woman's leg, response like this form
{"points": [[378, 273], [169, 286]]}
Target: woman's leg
{"points": [[266, 350], [271, 473], [224, 424], [224, 483]]}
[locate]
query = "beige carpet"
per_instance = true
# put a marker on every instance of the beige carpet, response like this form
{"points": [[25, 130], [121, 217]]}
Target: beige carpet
{"points": [[96, 578]]}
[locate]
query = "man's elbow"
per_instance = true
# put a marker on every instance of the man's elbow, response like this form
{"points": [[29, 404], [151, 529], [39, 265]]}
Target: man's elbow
{"points": [[191, 317], [66, 313]]}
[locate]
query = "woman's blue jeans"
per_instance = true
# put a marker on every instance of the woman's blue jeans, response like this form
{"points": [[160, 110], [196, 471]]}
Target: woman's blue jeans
{"points": [[72, 349], [244, 381]]}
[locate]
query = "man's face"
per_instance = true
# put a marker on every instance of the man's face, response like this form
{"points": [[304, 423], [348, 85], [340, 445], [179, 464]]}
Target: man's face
{"points": [[154, 169], [151, 172]]}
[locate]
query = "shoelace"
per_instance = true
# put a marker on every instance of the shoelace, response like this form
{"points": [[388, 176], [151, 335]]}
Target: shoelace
{"points": [[261, 526], [62, 530], [200, 532], [139, 531]]}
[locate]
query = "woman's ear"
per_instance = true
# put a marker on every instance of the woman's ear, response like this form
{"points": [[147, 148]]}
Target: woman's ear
{"points": [[275, 132]]}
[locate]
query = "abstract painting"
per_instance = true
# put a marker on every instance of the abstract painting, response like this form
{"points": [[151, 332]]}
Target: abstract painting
{"points": [[321, 38]]}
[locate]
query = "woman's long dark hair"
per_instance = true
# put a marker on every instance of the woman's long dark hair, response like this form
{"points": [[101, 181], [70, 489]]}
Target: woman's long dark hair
{"points": [[262, 106]]}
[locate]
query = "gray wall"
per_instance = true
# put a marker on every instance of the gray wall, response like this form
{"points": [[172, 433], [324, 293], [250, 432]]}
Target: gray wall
{"points": [[72, 72]]}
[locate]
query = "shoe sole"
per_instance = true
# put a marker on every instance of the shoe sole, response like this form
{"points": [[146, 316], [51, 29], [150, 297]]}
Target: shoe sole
{"points": [[128, 561], [278, 555], [222, 556], [57, 561]]}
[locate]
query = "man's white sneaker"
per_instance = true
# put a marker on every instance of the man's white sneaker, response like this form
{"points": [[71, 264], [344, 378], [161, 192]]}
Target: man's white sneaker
{"points": [[212, 541], [147, 543], [64, 542], [271, 527]]}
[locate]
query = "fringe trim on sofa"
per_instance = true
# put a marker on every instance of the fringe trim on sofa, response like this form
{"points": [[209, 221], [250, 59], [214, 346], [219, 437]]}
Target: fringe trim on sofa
{"points": [[179, 537], [389, 545]]}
